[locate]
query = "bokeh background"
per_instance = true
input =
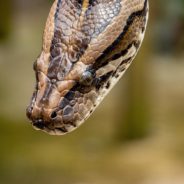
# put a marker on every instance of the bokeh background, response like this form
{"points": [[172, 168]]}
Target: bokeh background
{"points": [[136, 136]]}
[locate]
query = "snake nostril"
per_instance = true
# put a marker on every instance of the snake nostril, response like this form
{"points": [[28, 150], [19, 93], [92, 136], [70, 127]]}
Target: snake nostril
{"points": [[53, 114], [39, 124]]}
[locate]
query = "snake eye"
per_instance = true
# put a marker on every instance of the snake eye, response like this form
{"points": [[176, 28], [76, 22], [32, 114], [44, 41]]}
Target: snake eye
{"points": [[86, 78]]}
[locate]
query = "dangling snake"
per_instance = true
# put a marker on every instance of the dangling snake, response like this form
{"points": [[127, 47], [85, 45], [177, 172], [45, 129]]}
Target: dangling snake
{"points": [[87, 47]]}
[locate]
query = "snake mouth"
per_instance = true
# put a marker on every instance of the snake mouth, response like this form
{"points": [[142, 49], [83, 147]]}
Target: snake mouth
{"points": [[48, 128]]}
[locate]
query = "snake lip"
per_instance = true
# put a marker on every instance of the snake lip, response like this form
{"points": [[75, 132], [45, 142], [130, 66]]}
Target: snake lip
{"points": [[40, 124]]}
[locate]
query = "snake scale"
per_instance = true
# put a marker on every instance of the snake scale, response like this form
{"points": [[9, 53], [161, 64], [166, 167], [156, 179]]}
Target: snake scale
{"points": [[87, 47]]}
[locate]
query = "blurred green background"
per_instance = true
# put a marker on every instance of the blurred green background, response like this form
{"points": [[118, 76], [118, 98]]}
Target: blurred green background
{"points": [[136, 136]]}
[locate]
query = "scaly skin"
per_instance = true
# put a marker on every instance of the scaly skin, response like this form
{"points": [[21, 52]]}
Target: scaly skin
{"points": [[87, 47]]}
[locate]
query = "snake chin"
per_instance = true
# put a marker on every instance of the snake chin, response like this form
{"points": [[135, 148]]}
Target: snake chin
{"points": [[50, 129]]}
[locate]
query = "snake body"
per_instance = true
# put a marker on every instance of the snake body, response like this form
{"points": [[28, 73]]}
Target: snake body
{"points": [[87, 47]]}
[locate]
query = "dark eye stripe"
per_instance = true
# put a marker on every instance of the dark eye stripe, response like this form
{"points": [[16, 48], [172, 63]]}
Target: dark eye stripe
{"points": [[103, 59]]}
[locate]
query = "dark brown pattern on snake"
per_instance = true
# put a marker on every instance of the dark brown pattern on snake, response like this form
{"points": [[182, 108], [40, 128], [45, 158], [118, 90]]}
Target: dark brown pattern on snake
{"points": [[112, 52]]}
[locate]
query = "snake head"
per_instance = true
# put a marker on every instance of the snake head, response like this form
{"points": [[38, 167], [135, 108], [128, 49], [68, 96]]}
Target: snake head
{"points": [[61, 104], [87, 47]]}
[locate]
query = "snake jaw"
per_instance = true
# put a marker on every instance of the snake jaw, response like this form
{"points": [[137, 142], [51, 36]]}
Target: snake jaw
{"points": [[41, 125]]}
